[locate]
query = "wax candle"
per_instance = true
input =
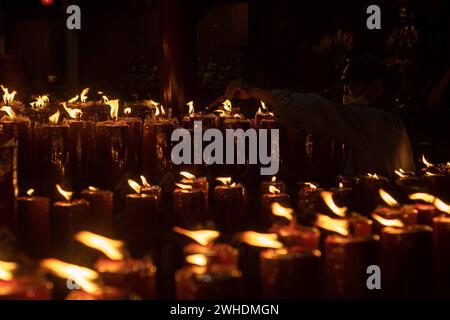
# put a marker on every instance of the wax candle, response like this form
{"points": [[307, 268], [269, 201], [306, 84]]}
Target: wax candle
{"points": [[274, 195], [189, 206], [263, 114], [135, 139], [33, 225], [117, 269], [66, 218], [265, 185], [308, 200], [344, 196], [290, 274], [367, 190], [142, 220], [8, 181], [406, 261], [198, 183], [441, 258], [20, 128], [208, 120], [230, 207], [82, 151], [101, 208], [157, 147], [406, 214], [51, 141]]}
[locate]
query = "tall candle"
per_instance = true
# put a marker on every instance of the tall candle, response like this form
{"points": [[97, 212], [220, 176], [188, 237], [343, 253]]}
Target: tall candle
{"points": [[189, 207], [135, 141], [274, 195], [101, 208], [33, 225], [367, 192], [8, 181], [230, 207]]}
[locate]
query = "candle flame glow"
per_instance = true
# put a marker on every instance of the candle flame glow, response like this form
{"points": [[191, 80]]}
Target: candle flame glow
{"points": [[388, 222], [114, 111], [40, 101], [274, 178], [183, 186], [227, 106], [263, 240], [8, 97], [390, 200], [127, 111], [6, 270], [203, 237], [30, 192], [144, 181], [190, 104], [224, 180], [134, 185], [187, 175], [83, 95], [426, 163], [113, 249], [54, 118], [199, 260], [66, 194], [422, 196], [91, 188], [280, 211], [442, 206], [73, 113], [9, 111], [84, 277], [274, 190], [339, 226], [328, 199]]}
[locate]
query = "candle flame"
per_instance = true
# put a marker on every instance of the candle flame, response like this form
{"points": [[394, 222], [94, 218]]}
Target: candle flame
{"points": [[280, 211], [84, 277], [238, 116], [83, 95], [91, 188], [114, 105], [134, 185], [113, 249], [274, 178], [341, 185], [183, 186], [339, 226], [8, 97], [224, 180], [426, 163], [127, 111], [66, 194], [422, 196], [274, 190], [227, 105], [373, 176], [263, 106], [203, 237], [30, 192], [9, 111], [190, 104], [187, 175], [328, 199], [74, 99], [54, 118], [199, 260], [6, 270], [263, 240], [40, 101], [390, 200], [144, 181], [442, 206], [388, 222], [105, 99], [311, 185], [73, 113]]}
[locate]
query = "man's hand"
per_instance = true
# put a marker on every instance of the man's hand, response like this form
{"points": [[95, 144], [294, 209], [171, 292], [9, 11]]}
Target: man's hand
{"points": [[238, 89]]}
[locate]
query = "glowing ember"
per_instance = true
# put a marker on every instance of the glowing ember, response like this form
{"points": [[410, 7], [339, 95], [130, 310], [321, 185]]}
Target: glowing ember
{"points": [[328, 199], [280, 211], [113, 249], [6, 270], [66, 194], [263, 240], [335, 225], [203, 237], [388, 198], [9, 111], [54, 118], [84, 277], [134, 185], [388, 222]]}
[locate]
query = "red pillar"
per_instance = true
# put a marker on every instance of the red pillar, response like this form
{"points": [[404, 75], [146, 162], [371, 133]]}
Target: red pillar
{"points": [[178, 53]]}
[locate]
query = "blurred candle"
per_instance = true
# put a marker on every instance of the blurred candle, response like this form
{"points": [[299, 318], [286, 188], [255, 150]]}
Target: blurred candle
{"points": [[189, 206], [33, 225]]}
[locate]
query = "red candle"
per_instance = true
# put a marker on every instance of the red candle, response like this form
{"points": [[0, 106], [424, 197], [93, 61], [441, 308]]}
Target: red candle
{"points": [[367, 192], [295, 235], [135, 139], [230, 207], [101, 208], [142, 220], [406, 261], [406, 214], [8, 181], [308, 199], [441, 257], [33, 225], [198, 183], [263, 114], [188, 207], [157, 147], [67, 218], [274, 195]]}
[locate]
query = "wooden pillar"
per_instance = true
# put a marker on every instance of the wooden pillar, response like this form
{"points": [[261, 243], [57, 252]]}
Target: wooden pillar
{"points": [[178, 53]]}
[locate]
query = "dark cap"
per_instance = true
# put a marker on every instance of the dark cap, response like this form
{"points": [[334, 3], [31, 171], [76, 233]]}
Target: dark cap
{"points": [[366, 67]]}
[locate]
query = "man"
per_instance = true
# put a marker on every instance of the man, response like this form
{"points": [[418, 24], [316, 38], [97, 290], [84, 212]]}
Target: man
{"points": [[367, 122]]}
